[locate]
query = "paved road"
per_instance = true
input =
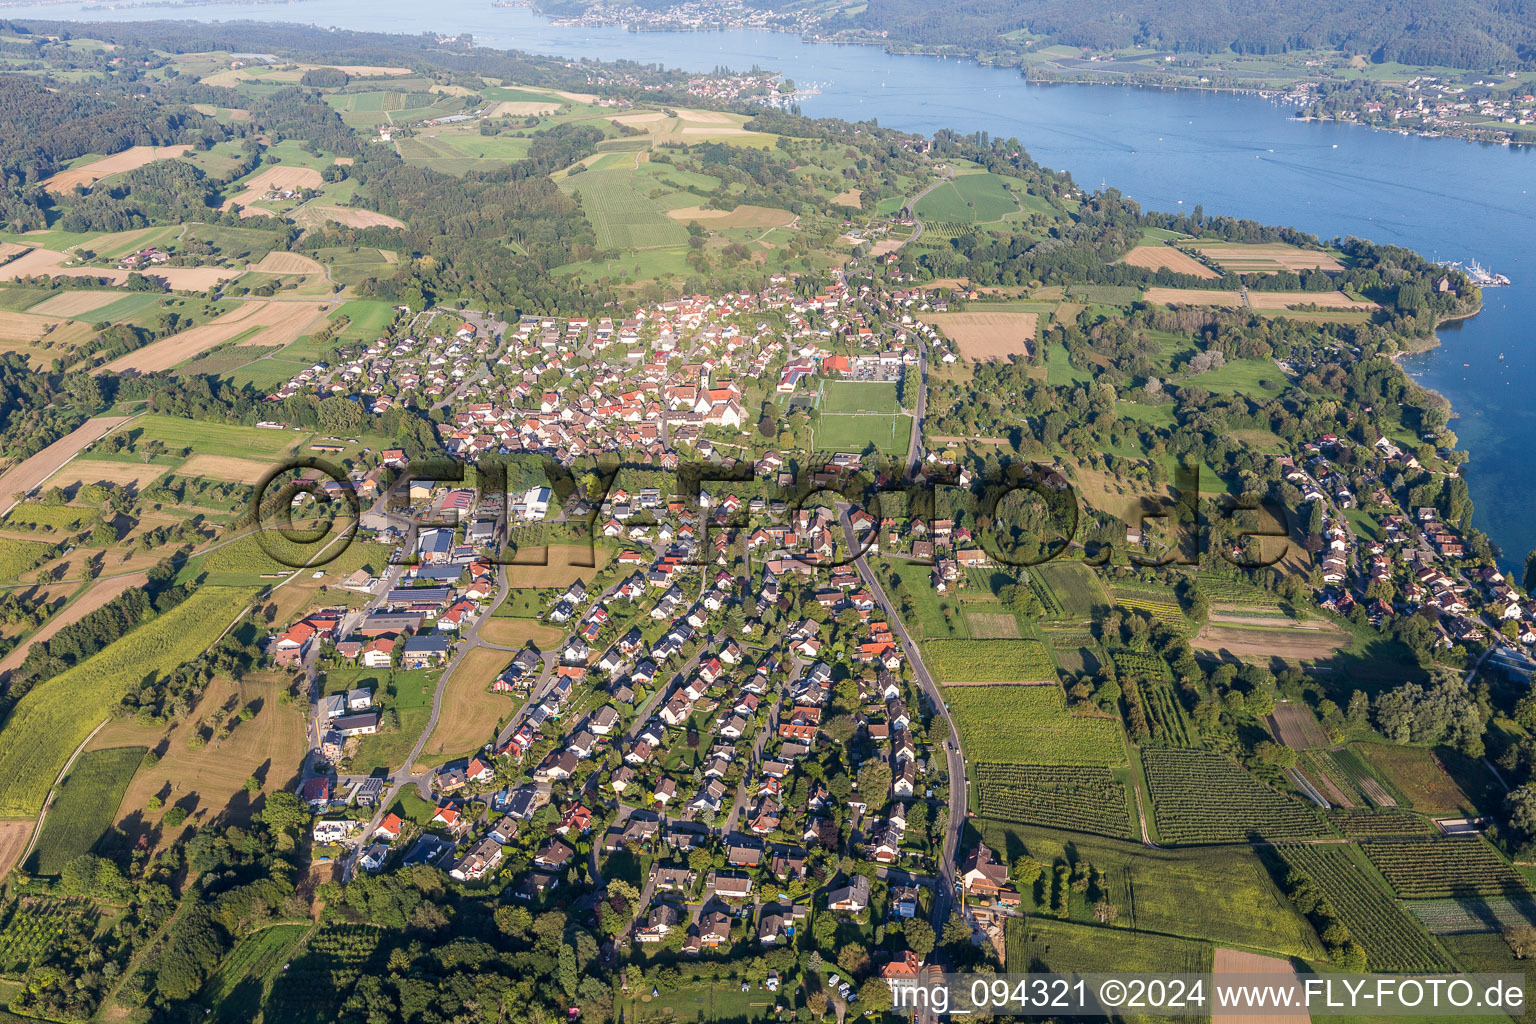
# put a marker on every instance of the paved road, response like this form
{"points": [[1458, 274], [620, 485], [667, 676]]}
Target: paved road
{"points": [[944, 894]]}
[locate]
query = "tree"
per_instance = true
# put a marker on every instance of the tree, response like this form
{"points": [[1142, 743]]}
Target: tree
{"points": [[920, 937], [1521, 805], [1026, 872], [956, 931], [875, 996], [1104, 912], [567, 969]]}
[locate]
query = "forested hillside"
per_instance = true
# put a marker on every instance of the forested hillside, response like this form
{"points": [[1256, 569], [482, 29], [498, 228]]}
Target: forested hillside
{"points": [[1458, 33]]}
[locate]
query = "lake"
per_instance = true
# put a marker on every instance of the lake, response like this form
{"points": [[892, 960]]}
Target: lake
{"points": [[1235, 155]]}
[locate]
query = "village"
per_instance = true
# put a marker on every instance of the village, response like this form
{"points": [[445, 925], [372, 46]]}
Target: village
{"points": [[732, 699]]}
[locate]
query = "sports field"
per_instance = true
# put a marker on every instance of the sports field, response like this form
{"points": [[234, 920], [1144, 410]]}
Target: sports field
{"points": [[840, 397], [891, 435]]}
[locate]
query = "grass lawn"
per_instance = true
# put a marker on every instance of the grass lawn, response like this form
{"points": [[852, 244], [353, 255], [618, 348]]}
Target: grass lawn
{"points": [[935, 615], [1223, 894], [205, 438], [701, 1002], [1253, 377], [968, 198]]}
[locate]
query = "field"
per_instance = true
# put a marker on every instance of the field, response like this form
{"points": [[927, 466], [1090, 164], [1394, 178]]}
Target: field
{"points": [[992, 625], [315, 214], [1166, 257], [1038, 944], [968, 198], [1266, 639], [1465, 915], [510, 632], [470, 710], [1201, 797], [621, 215], [207, 780], [840, 396], [1442, 867], [51, 720], [85, 806], [1416, 774], [1327, 300], [1194, 297], [278, 177], [1230, 962], [287, 263], [17, 556], [75, 303], [89, 173], [555, 565], [1030, 725], [1080, 799], [1297, 727], [86, 470], [13, 841], [889, 434], [1074, 589], [742, 217], [990, 661], [224, 467], [215, 438], [316, 981], [1392, 940], [100, 593], [985, 337], [1264, 257], [21, 478], [278, 323]]}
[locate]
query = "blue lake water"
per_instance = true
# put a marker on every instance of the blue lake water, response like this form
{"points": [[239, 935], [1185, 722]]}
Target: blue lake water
{"points": [[1234, 155]]}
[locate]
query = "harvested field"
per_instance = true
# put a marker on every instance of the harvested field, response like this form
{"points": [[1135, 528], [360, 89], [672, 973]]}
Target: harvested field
{"points": [[224, 467], [1326, 300], [1230, 962], [208, 780], [1297, 727], [313, 216], [705, 116], [100, 593], [283, 323], [32, 327], [9, 249], [50, 262], [470, 710], [20, 479], [714, 130], [523, 108], [506, 631], [1194, 297], [988, 336], [102, 471], [560, 570], [852, 197], [287, 263], [13, 841], [644, 117], [889, 245], [741, 217], [369, 70], [75, 303], [1166, 257], [280, 176], [1264, 258], [127, 160], [1294, 642]]}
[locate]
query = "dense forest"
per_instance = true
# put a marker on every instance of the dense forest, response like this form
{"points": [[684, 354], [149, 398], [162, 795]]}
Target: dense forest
{"points": [[1472, 34]]}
